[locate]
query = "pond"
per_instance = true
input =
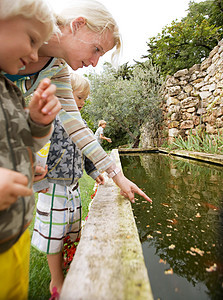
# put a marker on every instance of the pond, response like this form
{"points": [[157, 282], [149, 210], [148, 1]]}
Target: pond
{"points": [[182, 231]]}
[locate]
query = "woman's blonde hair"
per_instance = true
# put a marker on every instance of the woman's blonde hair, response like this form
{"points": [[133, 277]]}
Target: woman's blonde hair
{"points": [[101, 122], [80, 83], [38, 9], [97, 17]]}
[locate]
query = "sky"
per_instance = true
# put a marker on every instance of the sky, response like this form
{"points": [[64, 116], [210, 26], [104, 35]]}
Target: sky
{"points": [[138, 21]]}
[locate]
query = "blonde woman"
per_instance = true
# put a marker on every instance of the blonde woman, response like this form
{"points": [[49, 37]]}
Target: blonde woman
{"points": [[88, 31]]}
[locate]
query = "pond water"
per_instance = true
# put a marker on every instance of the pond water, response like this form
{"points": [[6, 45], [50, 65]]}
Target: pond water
{"points": [[182, 231]]}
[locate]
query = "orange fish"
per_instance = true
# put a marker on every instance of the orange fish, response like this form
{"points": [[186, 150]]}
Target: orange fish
{"points": [[165, 204], [210, 206]]}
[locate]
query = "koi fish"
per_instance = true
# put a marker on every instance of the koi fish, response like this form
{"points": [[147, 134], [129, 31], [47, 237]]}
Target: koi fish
{"points": [[209, 206]]}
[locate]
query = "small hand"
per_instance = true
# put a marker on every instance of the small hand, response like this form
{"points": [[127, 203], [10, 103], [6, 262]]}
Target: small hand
{"points": [[40, 173], [12, 185], [109, 140], [100, 179], [44, 105]]}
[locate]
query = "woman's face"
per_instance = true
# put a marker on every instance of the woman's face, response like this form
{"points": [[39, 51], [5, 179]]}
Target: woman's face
{"points": [[83, 47]]}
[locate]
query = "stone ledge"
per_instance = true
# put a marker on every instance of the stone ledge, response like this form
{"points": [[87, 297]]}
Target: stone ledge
{"points": [[109, 263], [205, 157], [216, 159]]}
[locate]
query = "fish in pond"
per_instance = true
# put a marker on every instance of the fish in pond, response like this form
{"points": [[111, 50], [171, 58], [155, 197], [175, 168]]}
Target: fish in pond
{"points": [[209, 206]]}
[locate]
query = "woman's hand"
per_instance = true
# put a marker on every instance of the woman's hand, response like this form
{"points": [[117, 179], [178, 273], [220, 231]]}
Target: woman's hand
{"points": [[128, 188]]}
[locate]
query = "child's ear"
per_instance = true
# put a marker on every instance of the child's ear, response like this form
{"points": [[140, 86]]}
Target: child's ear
{"points": [[77, 23]]}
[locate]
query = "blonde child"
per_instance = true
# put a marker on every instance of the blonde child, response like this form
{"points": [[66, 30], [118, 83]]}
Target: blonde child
{"points": [[24, 26], [59, 210], [99, 134]]}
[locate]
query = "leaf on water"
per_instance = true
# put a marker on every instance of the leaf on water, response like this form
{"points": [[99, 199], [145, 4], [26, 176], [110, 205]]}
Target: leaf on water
{"points": [[168, 272], [147, 225], [149, 236], [191, 253], [169, 226], [159, 232], [198, 215], [212, 268], [172, 246], [165, 204], [159, 224], [197, 250], [173, 221], [168, 234]]}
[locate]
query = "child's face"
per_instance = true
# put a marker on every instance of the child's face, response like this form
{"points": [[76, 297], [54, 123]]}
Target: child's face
{"points": [[79, 98], [21, 39], [103, 125]]}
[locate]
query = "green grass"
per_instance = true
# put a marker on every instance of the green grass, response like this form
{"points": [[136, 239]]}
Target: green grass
{"points": [[39, 271], [201, 143]]}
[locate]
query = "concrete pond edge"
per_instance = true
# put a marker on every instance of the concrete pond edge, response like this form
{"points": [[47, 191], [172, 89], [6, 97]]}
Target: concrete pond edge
{"points": [[216, 159], [109, 262]]}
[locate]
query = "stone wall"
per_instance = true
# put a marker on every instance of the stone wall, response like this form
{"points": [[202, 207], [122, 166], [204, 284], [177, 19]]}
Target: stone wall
{"points": [[193, 99]]}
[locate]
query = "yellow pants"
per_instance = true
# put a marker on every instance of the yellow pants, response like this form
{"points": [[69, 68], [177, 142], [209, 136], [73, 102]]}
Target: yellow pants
{"points": [[14, 270]]}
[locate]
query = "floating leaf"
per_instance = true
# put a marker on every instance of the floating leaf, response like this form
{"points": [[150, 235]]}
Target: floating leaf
{"points": [[198, 215], [172, 246], [149, 236], [161, 261], [165, 204], [191, 253], [168, 272], [212, 268], [197, 250]]}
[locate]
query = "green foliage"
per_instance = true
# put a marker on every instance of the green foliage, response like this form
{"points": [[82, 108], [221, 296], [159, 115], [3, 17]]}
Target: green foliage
{"points": [[203, 143], [189, 41], [125, 103]]}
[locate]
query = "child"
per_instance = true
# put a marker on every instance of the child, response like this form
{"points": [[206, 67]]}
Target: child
{"points": [[24, 26], [99, 134], [59, 210]]}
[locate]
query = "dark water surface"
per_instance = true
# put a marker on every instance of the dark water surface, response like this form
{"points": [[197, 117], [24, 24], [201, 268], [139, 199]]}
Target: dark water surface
{"points": [[182, 231]]}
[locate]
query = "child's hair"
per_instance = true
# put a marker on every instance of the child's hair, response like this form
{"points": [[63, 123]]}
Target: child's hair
{"points": [[38, 9], [80, 83], [97, 17], [101, 122]]}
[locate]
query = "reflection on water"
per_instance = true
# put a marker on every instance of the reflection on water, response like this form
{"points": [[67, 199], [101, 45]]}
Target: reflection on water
{"points": [[182, 231]]}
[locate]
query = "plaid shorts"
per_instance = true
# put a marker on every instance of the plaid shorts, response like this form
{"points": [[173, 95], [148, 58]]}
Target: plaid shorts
{"points": [[58, 214]]}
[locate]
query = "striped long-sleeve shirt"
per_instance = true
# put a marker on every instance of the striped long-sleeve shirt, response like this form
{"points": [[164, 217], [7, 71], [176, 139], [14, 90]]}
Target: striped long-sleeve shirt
{"points": [[57, 71]]}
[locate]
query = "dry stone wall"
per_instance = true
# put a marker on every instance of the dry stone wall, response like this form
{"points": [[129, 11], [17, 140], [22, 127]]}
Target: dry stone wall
{"points": [[193, 99]]}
